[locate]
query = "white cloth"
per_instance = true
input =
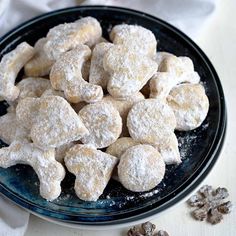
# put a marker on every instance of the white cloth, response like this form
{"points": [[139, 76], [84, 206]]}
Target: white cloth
{"points": [[188, 15], [13, 219]]}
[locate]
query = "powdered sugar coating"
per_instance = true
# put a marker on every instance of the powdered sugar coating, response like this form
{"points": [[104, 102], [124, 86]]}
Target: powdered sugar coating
{"points": [[10, 66], [180, 67], [65, 37], [33, 87], [150, 120], [40, 64], [123, 106], [141, 168], [161, 84], [56, 124], [66, 75], [8, 126], [60, 152], [173, 71], [169, 150], [129, 71], [53, 92], [103, 122], [27, 111], [136, 37], [118, 148], [92, 168], [190, 105], [49, 171], [160, 56], [97, 73]]}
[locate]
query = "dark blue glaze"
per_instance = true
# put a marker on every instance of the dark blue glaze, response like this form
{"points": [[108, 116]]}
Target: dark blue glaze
{"points": [[200, 148]]}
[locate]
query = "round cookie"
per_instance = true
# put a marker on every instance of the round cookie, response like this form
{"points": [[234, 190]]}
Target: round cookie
{"points": [[141, 168], [150, 120], [103, 122], [190, 105]]}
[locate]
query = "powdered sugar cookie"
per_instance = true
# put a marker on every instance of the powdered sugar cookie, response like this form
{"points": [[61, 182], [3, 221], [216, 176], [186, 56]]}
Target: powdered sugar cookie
{"points": [[161, 84], [136, 37], [49, 171], [65, 37], [123, 106], [150, 120], [27, 111], [56, 123], [100, 40], [85, 69], [8, 126], [103, 122], [40, 64], [11, 107], [66, 75], [174, 71], [60, 152], [181, 67], [141, 168], [160, 56], [169, 150], [10, 66], [51, 120], [97, 74], [118, 148], [129, 71], [92, 168], [190, 105], [32, 87]]}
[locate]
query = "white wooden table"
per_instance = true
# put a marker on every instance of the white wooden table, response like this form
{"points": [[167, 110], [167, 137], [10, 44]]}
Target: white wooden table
{"points": [[219, 42]]}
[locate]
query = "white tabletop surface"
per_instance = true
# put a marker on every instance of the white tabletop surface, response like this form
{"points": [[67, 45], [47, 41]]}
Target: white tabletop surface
{"points": [[219, 42]]}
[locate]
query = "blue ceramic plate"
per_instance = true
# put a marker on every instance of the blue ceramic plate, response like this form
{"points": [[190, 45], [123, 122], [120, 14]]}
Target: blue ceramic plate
{"points": [[199, 148]]}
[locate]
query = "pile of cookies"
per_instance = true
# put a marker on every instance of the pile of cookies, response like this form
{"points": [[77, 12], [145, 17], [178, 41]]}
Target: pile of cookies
{"points": [[96, 108]]}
